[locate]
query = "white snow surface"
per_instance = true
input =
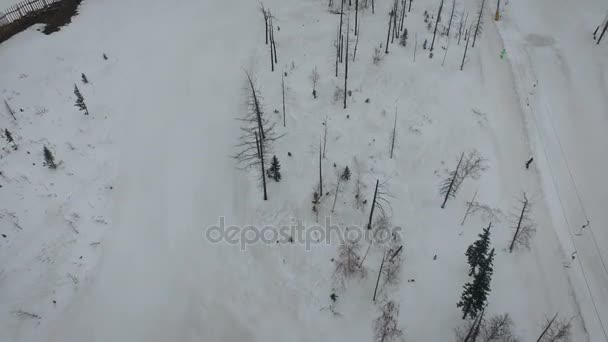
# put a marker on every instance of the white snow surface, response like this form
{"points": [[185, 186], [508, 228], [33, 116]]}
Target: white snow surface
{"points": [[111, 245]]}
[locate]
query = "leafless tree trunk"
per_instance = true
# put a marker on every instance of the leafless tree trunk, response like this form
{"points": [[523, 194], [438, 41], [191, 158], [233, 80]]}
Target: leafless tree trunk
{"points": [[416, 43], [436, 23], [483, 2], [320, 172], [525, 227], [265, 19], [461, 27], [379, 274], [283, 88], [395, 29], [388, 34], [346, 63], [371, 213], [547, 328], [603, 32], [497, 16], [324, 136], [468, 209], [333, 207], [257, 135], [466, 47], [10, 110], [410, 8], [340, 29], [451, 18], [394, 135], [402, 15], [448, 187], [357, 18]]}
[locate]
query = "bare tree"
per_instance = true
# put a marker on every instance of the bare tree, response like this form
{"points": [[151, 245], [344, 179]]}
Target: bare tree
{"points": [[10, 110], [357, 18], [436, 23], [346, 63], [488, 213], [448, 186], [466, 48], [479, 22], [347, 262], [314, 78], [381, 200], [497, 15], [524, 229], [498, 328], [463, 24], [320, 171], [402, 15], [388, 34], [469, 166], [451, 18], [265, 14], [603, 31], [257, 134], [283, 92], [385, 326], [394, 134], [556, 330]]}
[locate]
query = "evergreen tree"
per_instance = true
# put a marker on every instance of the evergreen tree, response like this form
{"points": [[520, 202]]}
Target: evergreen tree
{"points": [[346, 174], [105, 57], [84, 79], [477, 253], [475, 294], [80, 101], [9, 138], [49, 159], [274, 170]]}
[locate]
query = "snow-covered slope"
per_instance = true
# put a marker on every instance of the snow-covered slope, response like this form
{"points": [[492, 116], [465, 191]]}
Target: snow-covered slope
{"points": [[145, 175]]}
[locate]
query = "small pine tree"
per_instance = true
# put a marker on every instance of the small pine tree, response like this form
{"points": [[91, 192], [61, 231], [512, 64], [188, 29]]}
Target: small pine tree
{"points": [[84, 79], [475, 293], [477, 253], [274, 170], [80, 100], [9, 138], [346, 174], [49, 160], [105, 57], [403, 39]]}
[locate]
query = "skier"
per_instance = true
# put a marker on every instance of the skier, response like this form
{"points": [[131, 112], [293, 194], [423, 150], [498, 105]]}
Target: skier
{"points": [[529, 162]]}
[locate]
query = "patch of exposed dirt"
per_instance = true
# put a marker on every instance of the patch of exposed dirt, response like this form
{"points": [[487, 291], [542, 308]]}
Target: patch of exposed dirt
{"points": [[55, 17]]}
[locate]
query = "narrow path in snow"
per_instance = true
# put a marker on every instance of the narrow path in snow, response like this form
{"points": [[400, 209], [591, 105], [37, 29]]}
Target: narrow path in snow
{"points": [[551, 66]]}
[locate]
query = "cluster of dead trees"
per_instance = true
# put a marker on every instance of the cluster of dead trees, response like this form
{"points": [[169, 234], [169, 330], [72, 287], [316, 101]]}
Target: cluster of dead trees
{"points": [[269, 29], [499, 328]]}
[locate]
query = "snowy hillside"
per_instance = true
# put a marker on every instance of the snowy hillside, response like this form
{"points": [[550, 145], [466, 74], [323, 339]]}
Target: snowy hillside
{"points": [[118, 242]]}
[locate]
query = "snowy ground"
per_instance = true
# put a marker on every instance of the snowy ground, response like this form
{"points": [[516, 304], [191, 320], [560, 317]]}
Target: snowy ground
{"points": [[149, 170]]}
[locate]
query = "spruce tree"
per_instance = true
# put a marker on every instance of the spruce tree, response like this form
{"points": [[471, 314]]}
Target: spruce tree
{"points": [[346, 174], [49, 160], [84, 79], [80, 101], [274, 170], [477, 253], [9, 138], [475, 294]]}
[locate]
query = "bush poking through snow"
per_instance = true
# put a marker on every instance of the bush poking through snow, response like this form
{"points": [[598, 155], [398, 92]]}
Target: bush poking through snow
{"points": [[378, 55], [385, 326], [347, 262], [49, 159], [84, 78]]}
